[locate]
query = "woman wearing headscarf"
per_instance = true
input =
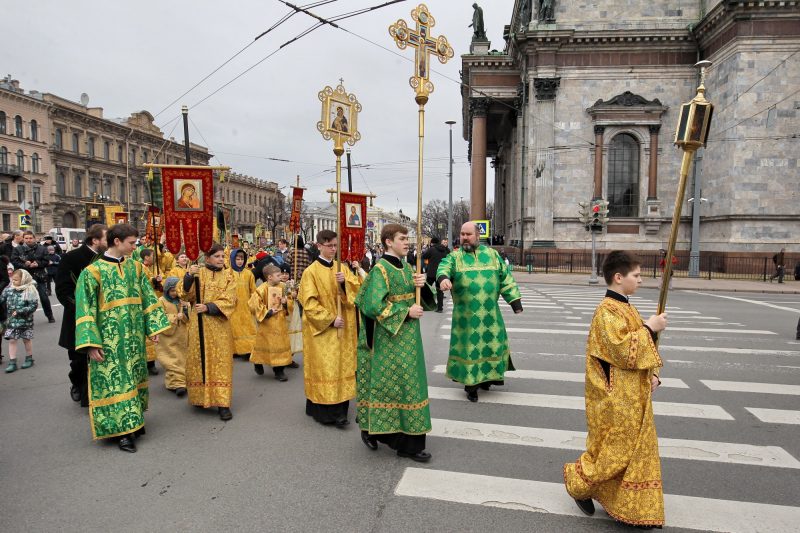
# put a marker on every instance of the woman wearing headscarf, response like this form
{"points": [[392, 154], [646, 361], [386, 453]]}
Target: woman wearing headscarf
{"points": [[172, 347], [21, 300]]}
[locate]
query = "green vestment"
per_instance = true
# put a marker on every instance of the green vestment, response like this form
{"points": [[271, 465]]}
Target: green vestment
{"points": [[478, 340], [115, 308], [391, 380]]}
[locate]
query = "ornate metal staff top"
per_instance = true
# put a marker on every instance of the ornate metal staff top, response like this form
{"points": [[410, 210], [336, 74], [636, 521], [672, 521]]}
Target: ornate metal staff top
{"points": [[424, 45], [339, 117]]}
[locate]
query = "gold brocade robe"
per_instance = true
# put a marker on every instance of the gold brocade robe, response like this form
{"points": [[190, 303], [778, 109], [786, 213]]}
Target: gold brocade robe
{"points": [[171, 347], [620, 467], [176, 272], [150, 348], [218, 288], [272, 342], [329, 361], [243, 326]]}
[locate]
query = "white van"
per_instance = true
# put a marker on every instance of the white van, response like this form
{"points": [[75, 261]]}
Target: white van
{"points": [[64, 236]]}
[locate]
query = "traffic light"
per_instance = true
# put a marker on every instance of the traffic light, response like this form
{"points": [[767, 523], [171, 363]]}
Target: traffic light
{"points": [[599, 214], [603, 211], [585, 216]]}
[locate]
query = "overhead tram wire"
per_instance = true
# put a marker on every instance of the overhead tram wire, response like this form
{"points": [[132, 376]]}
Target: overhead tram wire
{"points": [[234, 56]]}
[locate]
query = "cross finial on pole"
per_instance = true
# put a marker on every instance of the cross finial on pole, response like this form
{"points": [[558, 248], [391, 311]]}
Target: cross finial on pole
{"points": [[341, 81]]}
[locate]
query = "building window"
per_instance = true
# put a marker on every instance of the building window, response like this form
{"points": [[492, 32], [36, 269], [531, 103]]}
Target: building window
{"points": [[107, 151], [20, 193], [119, 153], [92, 186], [4, 192], [6, 221], [107, 186], [132, 157], [3, 155], [623, 176], [34, 130], [61, 184], [135, 193], [75, 146], [122, 191], [78, 185], [90, 146], [35, 163], [18, 126], [144, 156], [3, 119], [37, 196], [21, 160], [59, 138]]}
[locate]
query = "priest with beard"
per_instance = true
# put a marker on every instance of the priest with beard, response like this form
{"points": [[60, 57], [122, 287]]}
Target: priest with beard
{"points": [[477, 277]]}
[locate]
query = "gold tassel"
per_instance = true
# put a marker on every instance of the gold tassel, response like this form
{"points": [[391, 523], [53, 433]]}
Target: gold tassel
{"points": [[221, 176], [150, 175]]}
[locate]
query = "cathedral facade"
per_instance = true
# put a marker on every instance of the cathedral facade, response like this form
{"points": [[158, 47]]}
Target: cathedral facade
{"points": [[582, 104]]}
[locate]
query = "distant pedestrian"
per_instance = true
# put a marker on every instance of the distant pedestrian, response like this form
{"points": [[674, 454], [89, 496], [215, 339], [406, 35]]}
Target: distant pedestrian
{"points": [[780, 264], [434, 255], [52, 267], [21, 300], [663, 265], [32, 257]]}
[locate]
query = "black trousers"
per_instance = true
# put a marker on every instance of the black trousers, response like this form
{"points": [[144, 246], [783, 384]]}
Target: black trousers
{"points": [[42, 290], [327, 414], [439, 294], [79, 374], [410, 444]]}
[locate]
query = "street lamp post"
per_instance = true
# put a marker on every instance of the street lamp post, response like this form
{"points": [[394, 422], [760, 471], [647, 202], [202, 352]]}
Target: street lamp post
{"points": [[450, 195]]}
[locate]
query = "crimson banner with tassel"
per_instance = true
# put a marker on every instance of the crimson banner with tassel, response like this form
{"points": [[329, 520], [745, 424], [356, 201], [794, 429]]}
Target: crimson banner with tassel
{"points": [[297, 206], [188, 209], [353, 222]]}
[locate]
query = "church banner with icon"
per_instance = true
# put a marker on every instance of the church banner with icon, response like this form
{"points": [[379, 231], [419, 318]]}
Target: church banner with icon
{"points": [[352, 218], [154, 227], [188, 209], [297, 206], [95, 214]]}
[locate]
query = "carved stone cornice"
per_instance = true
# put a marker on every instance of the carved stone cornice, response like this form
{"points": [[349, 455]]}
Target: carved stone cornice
{"points": [[654, 129], [627, 99], [546, 88], [627, 108]]}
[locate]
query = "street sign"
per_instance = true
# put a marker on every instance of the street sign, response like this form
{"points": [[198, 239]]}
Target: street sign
{"points": [[24, 221], [483, 228]]}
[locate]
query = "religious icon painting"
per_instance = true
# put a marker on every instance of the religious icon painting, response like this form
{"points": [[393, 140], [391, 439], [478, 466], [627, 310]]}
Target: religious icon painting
{"points": [[188, 194], [94, 212], [339, 119], [353, 212]]}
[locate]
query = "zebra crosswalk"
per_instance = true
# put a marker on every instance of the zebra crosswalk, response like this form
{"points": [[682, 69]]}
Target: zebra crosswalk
{"points": [[706, 422]]}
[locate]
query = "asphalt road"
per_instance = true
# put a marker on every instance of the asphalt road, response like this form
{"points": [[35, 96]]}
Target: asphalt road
{"points": [[496, 464]]}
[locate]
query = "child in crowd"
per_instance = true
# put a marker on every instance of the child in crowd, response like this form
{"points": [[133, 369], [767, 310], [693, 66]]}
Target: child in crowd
{"points": [[272, 308], [21, 300], [243, 327], [173, 343], [147, 258]]}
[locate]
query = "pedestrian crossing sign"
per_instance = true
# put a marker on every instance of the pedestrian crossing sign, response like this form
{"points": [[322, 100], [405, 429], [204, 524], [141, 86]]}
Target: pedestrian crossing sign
{"points": [[483, 228], [24, 220]]}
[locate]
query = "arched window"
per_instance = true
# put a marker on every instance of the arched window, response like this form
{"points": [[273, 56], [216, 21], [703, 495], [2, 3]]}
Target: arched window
{"points": [[78, 185], [35, 163], [3, 156], [20, 160], [18, 126], [90, 146], [61, 184], [107, 151], [119, 153], [122, 191], [59, 138], [3, 119], [34, 130], [134, 193], [75, 143], [623, 176]]}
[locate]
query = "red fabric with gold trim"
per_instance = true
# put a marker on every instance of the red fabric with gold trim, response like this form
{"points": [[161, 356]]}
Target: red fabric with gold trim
{"points": [[120, 217], [155, 223], [188, 208], [352, 225], [297, 205]]}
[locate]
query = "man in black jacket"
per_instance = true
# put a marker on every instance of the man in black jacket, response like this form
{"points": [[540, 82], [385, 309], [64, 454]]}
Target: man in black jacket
{"points": [[32, 257], [434, 255], [70, 268]]}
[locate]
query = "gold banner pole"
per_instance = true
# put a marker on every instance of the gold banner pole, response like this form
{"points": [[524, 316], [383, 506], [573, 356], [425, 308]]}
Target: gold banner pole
{"points": [[421, 39], [692, 134], [338, 150]]}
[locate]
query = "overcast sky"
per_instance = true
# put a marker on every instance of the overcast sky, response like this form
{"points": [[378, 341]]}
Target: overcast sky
{"points": [[129, 56]]}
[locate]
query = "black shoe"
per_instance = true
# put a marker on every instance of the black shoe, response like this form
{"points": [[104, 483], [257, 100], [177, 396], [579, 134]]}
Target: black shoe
{"points": [[225, 413], [126, 444], [75, 394], [586, 506], [139, 432], [472, 393], [51, 319], [440, 310], [342, 423], [279, 375], [293, 365], [152, 370], [420, 457], [368, 441], [259, 369], [486, 386], [180, 392]]}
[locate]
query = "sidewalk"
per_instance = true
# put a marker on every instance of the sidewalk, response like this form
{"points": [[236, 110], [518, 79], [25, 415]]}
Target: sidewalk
{"points": [[789, 286]]}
